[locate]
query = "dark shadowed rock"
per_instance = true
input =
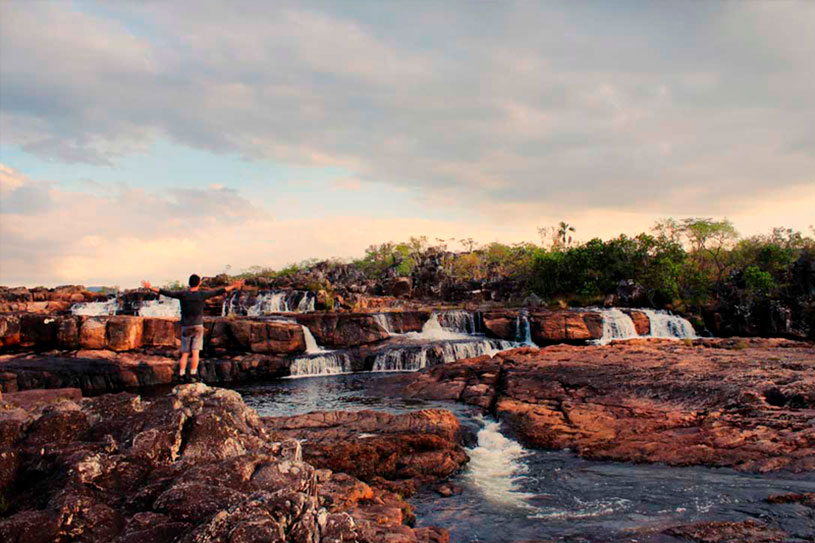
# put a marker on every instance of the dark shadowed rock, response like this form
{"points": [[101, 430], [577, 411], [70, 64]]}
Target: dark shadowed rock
{"points": [[194, 466]]}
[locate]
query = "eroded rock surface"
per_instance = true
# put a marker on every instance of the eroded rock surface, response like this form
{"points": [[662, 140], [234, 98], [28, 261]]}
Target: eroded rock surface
{"points": [[194, 466], [397, 452], [746, 404]]}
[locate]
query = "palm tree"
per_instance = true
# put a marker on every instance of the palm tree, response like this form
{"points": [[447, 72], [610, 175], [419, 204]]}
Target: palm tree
{"points": [[564, 235]]}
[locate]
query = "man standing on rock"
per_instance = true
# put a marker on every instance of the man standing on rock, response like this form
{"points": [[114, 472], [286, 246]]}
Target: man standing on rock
{"points": [[192, 319]]}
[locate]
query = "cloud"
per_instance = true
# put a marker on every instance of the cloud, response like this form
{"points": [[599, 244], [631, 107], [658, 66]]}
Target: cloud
{"points": [[512, 104], [512, 116]]}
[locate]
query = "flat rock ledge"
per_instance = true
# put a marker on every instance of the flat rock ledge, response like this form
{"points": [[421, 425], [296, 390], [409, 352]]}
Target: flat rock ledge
{"points": [[739, 403], [194, 466]]}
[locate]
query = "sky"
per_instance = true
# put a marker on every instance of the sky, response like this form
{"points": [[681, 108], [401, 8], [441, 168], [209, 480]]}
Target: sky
{"points": [[157, 139]]}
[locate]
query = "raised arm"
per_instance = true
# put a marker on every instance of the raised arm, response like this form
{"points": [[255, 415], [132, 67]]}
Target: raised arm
{"points": [[222, 290], [169, 293], [233, 286]]}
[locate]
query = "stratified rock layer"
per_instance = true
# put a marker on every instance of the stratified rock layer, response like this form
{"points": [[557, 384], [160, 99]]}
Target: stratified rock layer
{"points": [[747, 404], [192, 467], [397, 452]]}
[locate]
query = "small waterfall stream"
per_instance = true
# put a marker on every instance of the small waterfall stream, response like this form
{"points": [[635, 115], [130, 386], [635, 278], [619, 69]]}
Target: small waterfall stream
{"points": [[667, 325], [383, 320], [616, 325], [319, 361], [95, 309], [523, 332], [163, 307]]}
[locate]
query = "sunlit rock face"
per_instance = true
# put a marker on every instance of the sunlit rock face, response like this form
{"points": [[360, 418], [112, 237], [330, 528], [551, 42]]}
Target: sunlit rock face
{"points": [[738, 403]]}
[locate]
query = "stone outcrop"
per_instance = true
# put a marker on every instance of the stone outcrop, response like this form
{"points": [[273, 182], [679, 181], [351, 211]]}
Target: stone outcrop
{"points": [[547, 327], [397, 452], [194, 466], [341, 331], [746, 404], [37, 332]]}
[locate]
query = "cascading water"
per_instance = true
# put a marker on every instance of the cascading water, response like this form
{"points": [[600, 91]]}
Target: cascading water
{"points": [[666, 325], [311, 344], [291, 301], [383, 320], [95, 309], [523, 332], [416, 357], [272, 302], [433, 330], [163, 307], [616, 325], [458, 321], [325, 363], [319, 361], [496, 468]]}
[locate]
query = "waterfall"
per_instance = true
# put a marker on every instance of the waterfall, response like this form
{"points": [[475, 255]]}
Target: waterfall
{"points": [[666, 325], [306, 303], [325, 363], [163, 307], [416, 357], [230, 305], [433, 330], [383, 320], [616, 325], [401, 360], [272, 302], [458, 321], [95, 309], [279, 301], [311, 343], [523, 332]]}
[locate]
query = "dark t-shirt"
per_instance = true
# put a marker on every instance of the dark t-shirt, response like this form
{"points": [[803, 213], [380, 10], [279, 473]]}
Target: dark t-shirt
{"points": [[192, 303]]}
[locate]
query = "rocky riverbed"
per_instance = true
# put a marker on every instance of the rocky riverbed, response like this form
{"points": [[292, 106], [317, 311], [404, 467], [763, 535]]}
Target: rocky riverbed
{"points": [[746, 404]]}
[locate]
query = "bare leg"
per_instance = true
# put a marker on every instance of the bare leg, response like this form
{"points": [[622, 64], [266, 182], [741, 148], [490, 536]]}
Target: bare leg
{"points": [[194, 367], [182, 364]]}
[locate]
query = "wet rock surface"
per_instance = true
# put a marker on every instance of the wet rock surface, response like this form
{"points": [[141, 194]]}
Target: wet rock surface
{"points": [[196, 465], [396, 452], [745, 404]]}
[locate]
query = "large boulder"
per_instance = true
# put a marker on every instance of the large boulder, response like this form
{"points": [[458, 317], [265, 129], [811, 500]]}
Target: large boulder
{"points": [[92, 332], [161, 332], [343, 330], [9, 330], [124, 333], [272, 337]]}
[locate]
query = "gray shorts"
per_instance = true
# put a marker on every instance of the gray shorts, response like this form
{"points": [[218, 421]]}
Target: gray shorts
{"points": [[192, 338]]}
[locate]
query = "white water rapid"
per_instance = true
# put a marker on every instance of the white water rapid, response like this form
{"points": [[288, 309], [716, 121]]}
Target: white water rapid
{"points": [[496, 467], [94, 309]]}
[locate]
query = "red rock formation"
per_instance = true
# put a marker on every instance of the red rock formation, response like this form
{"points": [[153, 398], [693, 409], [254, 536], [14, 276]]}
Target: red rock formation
{"points": [[342, 330], [546, 327], [194, 466], [396, 452], [641, 321], [747, 404]]}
